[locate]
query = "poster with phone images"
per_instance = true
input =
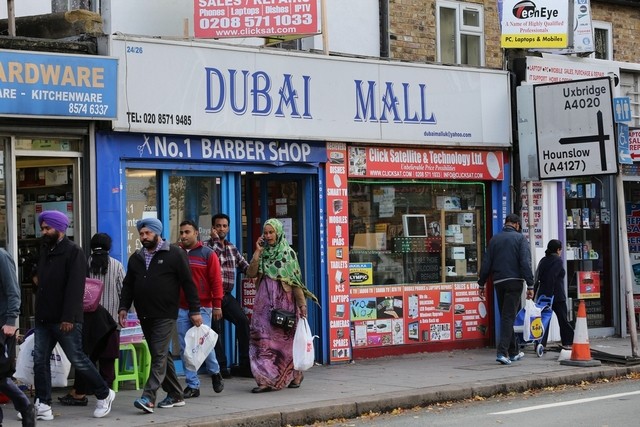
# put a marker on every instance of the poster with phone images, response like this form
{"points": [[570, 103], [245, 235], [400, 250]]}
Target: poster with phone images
{"points": [[398, 315], [337, 256]]}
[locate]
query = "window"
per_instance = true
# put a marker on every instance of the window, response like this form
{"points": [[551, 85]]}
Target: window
{"points": [[630, 86], [603, 40], [460, 33]]}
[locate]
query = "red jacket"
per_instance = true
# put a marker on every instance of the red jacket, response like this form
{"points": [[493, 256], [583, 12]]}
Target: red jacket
{"points": [[207, 275]]}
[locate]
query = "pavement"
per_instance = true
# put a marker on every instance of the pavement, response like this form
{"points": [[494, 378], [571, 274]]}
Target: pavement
{"points": [[349, 390]]}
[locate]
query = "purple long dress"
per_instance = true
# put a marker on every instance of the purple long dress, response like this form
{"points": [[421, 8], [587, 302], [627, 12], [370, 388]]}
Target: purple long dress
{"points": [[271, 348]]}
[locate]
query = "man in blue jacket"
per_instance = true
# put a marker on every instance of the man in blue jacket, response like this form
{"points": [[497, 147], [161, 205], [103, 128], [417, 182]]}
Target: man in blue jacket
{"points": [[508, 261], [155, 275], [9, 311]]}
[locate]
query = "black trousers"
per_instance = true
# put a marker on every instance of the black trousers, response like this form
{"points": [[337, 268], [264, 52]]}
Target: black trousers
{"points": [[508, 295], [233, 312]]}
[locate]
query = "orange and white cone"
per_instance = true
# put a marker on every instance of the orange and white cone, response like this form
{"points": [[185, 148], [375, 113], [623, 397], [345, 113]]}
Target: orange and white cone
{"points": [[580, 350]]}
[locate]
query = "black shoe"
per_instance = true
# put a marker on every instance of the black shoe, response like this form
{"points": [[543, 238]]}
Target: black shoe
{"points": [[241, 371], [68, 400], [28, 416], [218, 382], [191, 392], [225, 373]]}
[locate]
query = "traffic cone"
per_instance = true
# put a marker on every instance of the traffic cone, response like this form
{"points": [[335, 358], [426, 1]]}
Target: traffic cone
{"points": [[580, 350]]}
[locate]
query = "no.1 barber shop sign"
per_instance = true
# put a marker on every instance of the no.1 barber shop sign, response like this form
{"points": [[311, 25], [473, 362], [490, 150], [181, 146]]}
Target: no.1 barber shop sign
{"points": [[575, 128]]}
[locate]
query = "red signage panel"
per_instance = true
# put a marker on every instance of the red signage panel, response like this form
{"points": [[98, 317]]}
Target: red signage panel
{"points": [[254, 18]]}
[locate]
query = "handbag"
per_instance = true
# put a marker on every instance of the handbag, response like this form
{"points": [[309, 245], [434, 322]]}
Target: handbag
{"points": [[92, 293], [7, 355], [283, 318]]}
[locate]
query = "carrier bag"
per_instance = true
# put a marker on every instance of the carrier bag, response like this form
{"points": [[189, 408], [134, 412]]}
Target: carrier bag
{"points": [[303, 351], [532, 329], [199, 341], [60, 365]]}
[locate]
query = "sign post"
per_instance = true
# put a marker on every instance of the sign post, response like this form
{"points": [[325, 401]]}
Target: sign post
{"points": [[575, 129]]}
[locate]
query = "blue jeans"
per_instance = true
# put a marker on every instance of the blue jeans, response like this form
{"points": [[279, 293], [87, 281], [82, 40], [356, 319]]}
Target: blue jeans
{"points": [[46, 337], [184, 324], [11, 390]]}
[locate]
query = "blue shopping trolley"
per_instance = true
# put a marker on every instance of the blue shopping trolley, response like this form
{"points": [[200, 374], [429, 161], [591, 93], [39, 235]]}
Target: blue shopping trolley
{"points": [[538, 328]]}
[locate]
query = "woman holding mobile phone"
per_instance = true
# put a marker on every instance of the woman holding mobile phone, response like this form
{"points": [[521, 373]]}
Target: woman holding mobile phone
{"points": [[279, 285]]}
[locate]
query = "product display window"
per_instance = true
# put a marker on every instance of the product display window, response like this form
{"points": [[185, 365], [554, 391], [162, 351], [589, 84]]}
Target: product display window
{"points": [[415, 232]]}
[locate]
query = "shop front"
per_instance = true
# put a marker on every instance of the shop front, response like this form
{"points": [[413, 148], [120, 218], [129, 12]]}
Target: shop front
{"points": [[583, 210], [260, 133], [418, 222], [48, 107]]}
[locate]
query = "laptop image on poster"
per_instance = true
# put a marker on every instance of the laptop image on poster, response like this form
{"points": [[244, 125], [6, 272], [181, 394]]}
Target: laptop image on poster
{"points": [[445, 301]]}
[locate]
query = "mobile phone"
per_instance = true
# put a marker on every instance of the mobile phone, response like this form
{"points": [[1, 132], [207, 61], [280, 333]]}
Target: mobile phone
{"points": [[263, 243]]}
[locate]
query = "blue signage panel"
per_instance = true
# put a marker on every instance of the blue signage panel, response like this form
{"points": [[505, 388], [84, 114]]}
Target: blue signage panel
{"points": [[56, 85], [624, 153], [214, 149], [622, 109]]}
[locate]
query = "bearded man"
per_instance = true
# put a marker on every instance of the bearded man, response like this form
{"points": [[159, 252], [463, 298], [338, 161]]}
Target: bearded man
{"points": [[155, 275], [62, 269]]}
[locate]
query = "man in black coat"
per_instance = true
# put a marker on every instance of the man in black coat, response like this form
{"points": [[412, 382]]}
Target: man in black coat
{"points": [[59, 314], [508, 261], [155, 274]]}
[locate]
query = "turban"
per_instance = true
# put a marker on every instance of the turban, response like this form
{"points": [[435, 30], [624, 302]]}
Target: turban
{"points": [[152, 224], [55, 219]]}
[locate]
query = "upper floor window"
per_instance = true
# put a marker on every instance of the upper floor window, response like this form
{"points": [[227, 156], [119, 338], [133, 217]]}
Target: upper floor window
{"points": [[460, 33], [602, 40]]}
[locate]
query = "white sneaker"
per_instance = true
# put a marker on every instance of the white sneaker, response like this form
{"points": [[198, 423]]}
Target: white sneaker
{"points": [[103, 406], [43, 411]]}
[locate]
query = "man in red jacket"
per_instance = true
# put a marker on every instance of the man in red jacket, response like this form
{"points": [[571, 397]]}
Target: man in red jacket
{"points": [[207, 275]]}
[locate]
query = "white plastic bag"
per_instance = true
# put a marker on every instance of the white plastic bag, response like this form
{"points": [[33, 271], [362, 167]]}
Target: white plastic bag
{"points": [[532, 328], [198, 343], [303, 352], [60, 365], [554, 329]]}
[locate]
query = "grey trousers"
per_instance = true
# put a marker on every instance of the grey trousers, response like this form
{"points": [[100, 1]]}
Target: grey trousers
{"points": [[158, 334]]}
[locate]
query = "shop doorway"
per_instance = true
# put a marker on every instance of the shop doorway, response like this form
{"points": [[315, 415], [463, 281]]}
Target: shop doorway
{"points": [[37, 174], [293, 199]]}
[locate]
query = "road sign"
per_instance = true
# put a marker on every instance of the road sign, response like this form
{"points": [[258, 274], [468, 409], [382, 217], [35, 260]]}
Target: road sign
{"points": [[624, 154], [575, 129], [622, 109]]}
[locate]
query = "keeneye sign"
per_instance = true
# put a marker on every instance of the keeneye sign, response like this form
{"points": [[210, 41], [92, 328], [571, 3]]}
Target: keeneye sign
{"points": [[575, 128]]}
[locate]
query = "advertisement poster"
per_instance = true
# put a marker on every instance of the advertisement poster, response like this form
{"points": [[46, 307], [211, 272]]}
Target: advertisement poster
{"points": [[338, 249], [255, 18], [588, 284], [394, 315], [633, 238], [398, 162], [248, 296], [527, 25], [537, 211]]}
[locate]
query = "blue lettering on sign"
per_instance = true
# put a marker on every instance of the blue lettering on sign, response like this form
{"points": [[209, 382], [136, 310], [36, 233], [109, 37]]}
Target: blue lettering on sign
{"points": [[254, 92], [389, 103]]}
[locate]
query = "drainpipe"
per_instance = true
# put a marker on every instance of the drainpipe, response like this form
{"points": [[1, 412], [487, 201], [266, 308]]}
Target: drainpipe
{"points": [[384, 29], [11, 18]]}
